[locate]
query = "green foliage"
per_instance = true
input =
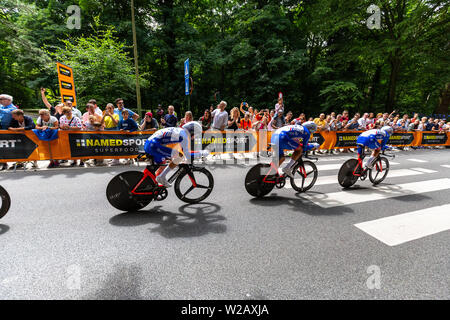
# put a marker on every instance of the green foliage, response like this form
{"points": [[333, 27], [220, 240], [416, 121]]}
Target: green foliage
{"points": [[320, 54]]}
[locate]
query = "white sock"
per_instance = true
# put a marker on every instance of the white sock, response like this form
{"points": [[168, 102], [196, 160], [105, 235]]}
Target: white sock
{"points": [[291, 164], [369, 162], [165, 172]]}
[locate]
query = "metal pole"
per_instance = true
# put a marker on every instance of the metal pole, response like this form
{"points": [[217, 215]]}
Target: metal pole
{"points": [[136, 64]]}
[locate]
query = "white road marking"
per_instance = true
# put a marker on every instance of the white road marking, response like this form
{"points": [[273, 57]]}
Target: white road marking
{"points": [[417, 160], [410, 226], [446, 166], [327, 167], [353, 196], [324, 180]]}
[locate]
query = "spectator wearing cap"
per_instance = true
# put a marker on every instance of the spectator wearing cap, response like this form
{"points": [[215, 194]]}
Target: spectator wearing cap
{"points": [[121, 108], [206, 120], [110, 120], [148, 123], [170, 119]]}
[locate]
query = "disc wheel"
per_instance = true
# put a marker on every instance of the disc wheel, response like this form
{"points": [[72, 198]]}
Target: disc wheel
{"points": [[5, 202], [379, 171], [194, 186], [346, 177], [254, 181], [304, 176], [119, 193]]}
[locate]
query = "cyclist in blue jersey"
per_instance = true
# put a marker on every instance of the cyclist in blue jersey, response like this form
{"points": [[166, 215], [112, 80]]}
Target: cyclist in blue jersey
{"points": [[376, 140], [293, 137], [156, 146]]}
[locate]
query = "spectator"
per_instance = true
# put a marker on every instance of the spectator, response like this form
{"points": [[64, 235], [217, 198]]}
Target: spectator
{"points": [[321, 122], [149, 123], [220, 117], [71, 122], [345, 116], [423, 124], [414, 126], [19, 123], [279, 106], [86, 119], [246, 105], [188, 117], [277, 122], [234, 120], [353, 124], [300, 120], [44, 122], [206, 120], [336, 124], [127, 124], [89, 124], [288, 118], [6, 107], [159, 113], [363, 122], [246, 122], [110, 120], [55, 111], [121, 108], [170, 119], [429, 125], [262, 124], [97, 110], [75, 111]]}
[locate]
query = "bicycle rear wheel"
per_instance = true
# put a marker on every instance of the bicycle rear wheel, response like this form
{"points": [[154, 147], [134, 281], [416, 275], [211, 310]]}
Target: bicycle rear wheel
{"points": [[303, 181], [5, 202], [379, 171], [346, 177], [119, 190], [194, 186], [254, 183]]}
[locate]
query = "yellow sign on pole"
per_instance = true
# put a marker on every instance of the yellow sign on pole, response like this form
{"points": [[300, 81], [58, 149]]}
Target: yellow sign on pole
{"points": [[66, 83]]}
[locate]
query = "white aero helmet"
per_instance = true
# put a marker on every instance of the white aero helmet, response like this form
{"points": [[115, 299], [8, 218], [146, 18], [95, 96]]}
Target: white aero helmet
{"points": [[193, 127], [311, 126], [388, 130]]}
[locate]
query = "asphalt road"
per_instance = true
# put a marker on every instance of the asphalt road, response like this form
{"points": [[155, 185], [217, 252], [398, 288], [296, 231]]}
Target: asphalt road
{"points": [[62, 239]]}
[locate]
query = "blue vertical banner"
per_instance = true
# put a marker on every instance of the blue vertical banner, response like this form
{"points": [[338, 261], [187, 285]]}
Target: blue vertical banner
{"points": [[186, 77]]}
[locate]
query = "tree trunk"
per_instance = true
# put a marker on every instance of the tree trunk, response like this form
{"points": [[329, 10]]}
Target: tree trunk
{"points": [[444, 101], [374, 88], [395, 71]]}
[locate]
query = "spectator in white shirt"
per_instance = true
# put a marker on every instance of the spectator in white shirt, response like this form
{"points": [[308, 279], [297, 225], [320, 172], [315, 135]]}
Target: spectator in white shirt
{"points": [[363, 121], [279, 106], [220, 117]]}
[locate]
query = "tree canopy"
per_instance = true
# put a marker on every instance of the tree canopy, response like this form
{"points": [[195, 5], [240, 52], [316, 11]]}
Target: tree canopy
{"points": [[321, 54]]}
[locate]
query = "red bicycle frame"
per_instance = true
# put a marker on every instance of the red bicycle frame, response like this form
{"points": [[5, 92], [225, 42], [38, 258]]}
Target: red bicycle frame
{"points": [[147, 174]]}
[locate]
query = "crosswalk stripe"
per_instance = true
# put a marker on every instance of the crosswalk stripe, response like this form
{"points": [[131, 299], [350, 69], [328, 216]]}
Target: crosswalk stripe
{"points": [[402, 228], [348, 197], [446, 166], [417, 160], [324, 180]]}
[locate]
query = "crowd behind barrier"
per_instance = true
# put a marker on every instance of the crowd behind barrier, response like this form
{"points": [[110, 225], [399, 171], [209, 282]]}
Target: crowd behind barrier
{"points": [[62, 132]]}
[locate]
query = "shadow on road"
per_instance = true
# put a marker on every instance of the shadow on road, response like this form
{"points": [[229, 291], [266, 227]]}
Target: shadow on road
{"points": [[192, 220], [300, 204], [3, 229], [124, 283]]}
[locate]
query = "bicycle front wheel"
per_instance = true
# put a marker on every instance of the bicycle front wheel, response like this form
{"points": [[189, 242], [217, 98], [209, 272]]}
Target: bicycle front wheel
{"points": [[346, 177], [254, 183], [194, 186], [304, 176], [5, 202], [379, 171], [119, 190]]}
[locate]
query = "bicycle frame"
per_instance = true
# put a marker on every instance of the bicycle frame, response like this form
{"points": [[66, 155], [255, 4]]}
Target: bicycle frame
{"points": [[274, 167]]}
